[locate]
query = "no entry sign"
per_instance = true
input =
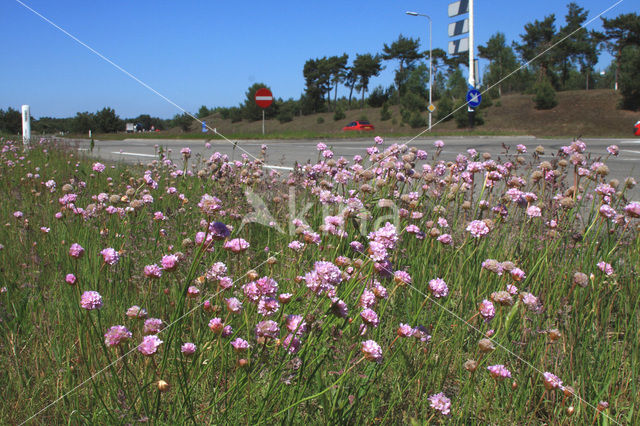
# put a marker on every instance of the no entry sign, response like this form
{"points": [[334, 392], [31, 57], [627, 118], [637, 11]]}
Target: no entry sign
{"points": [[264, 98]]}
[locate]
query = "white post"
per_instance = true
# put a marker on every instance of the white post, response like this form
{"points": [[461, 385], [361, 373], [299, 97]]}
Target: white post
{"points": [[430, 72], [26, 126], [263, 121], [472, 80]]}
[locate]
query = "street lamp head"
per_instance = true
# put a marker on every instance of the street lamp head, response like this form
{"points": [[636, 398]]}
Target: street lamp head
{"points": [[412, 13]]}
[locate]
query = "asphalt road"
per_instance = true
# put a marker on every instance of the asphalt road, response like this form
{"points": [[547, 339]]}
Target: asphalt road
{"points": [[283, 154]]}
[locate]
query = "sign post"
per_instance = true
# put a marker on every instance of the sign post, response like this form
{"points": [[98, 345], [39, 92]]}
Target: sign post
{"points": [[264, 98], [26, 126]]}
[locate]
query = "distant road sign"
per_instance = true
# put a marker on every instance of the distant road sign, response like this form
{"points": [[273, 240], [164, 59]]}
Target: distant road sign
{"points": [[459, 46], [431, 107], [459, 27], [204, 127], [264, 98], [458, 8], [474, 98]]}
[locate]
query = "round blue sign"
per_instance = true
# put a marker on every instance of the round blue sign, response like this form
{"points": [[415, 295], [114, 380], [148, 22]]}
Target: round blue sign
{"points": [[474, 97]]}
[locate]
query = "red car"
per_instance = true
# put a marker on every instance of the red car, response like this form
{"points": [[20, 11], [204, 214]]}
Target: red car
{"points": [[637, 129], [358, 125]]}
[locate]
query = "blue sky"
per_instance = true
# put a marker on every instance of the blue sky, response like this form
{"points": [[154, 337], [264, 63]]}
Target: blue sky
{"points": [[210, 52]]}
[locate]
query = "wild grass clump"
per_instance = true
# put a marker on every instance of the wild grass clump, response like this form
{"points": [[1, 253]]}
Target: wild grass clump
{"points": [[389, 288]]}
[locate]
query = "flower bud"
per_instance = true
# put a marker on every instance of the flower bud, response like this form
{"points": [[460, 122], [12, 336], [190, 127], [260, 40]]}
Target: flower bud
{"points": [[163, 386]]}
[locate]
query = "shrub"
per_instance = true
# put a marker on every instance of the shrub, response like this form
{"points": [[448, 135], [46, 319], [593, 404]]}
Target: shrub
{"points": [[320, 120], [285, 116], [339, 114], [417, 120], [545, 95], [384, 113], [445, 107]]}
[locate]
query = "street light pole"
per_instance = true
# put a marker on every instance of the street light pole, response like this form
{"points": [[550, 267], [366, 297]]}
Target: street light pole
{"points": [[430, 61]]}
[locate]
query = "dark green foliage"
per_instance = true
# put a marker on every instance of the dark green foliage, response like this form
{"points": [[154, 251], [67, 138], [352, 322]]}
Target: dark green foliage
{"points": [[10, 121], [384, 112], [339, 114], [416, 120], [630, 78], [203, 112], [183, 121], [445, 108], [404, 50], [545, 95], [106, 121], [377, 97], [320, 120], [462, 116]]}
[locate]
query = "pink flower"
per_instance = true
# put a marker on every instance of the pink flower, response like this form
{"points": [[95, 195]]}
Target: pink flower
{"points": [[169, 262], [438, 288], [216, 325], [76, 251], [633, 209], [188, 348], [268, 306], [296, 324], [116, 335], [534, 211], [70, 279], [438, 144], [233, 305], [613, 149], [402, 277], [237, 245], [152, 326], [478, 228], [240, 345], [110, 256], [521, 148], [267, 329], [605, 267], [498, 371], [152, 271], [369, 317], [296, 245], [209, 204], [487, 310], [378, 140], [405, 330], [441, 403], [136, 312], [291, 343], [372, 351], [91, 300], [445, 239], [149, 345], [551, 381], [98, 167]]}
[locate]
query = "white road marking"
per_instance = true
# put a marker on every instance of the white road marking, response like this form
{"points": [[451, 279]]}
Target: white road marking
{"points": [[277, 167], [628, 150], [134, 153]]}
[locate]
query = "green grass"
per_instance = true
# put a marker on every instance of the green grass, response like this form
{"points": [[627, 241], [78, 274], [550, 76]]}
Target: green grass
{"points": [[53, 351]]}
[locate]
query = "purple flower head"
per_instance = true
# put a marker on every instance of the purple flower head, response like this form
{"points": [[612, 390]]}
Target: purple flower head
{"points": [[116, 335], [551, 381], [209, 204], [240, 345], [91, 300], [98, 167], [237, 245], [268, 306], [441, 403], [149, 345], [169, 262], [76, 251], [110, 256], [233, 305], [498, 371], [487, 310], [372, 351], [70, 279], [188, 348], [438, 288], [152, 271], [219, 230], [216, 325], [405, 330], [152, 326], [136, 312], [291, 343], [369, 317], [296, 324], [633, 209], [267, 329], [478, 228], [605, 267]]}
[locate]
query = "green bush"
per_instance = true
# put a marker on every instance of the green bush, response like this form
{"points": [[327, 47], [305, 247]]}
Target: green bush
{"points": [[320, 120], [545, 95], [285, 116], [384, 113], [417, 120], [445, 107], [339, 114], [462, 116]]}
